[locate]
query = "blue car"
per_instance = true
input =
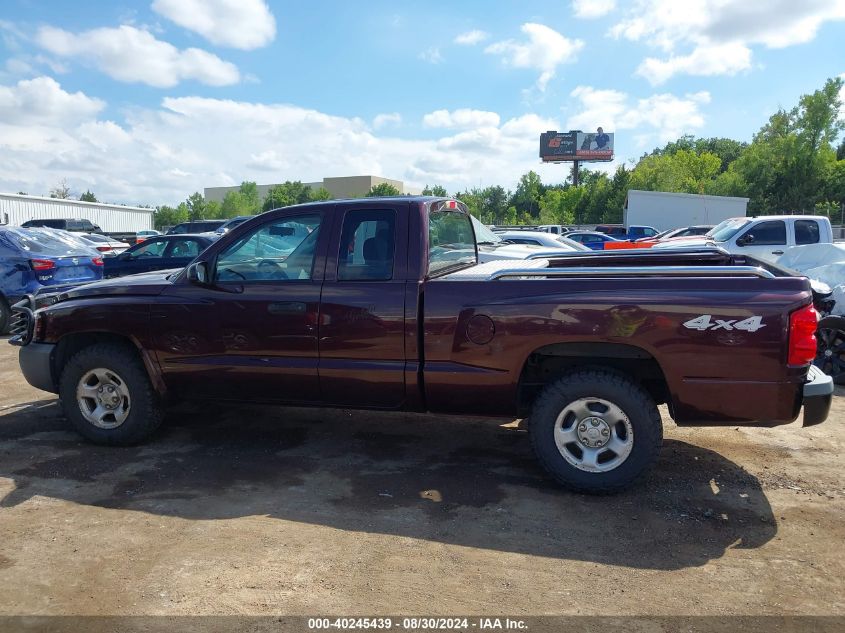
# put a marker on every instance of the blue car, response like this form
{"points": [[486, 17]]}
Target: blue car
{"points": [[37, 260], [591, 239], [160, 252]]}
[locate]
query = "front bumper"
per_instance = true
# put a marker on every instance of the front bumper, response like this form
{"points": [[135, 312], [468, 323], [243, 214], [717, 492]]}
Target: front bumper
{"points": [[35, 360], [818, 394]]}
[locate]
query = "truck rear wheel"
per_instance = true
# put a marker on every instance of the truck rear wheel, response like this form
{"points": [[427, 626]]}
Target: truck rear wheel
{"points": [[107, 396], [595, 431]]}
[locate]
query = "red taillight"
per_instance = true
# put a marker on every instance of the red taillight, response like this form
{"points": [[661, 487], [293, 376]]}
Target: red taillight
{"points": [[802, 335], [104, 249], [42, 264], [97, 261]]}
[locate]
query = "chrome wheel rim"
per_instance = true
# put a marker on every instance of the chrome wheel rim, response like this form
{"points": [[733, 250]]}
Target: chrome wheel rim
{"points": [[594, 435], [103, 398]]}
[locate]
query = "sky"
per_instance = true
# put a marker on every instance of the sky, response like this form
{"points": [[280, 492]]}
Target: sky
{"points": [[147, 101]]}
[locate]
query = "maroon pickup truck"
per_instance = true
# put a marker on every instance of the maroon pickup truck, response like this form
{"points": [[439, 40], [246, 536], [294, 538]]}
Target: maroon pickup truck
{"points": [[380, 303]]}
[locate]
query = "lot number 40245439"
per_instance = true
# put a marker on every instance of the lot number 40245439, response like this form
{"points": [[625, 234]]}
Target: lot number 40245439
{"points": [[707, 322]]}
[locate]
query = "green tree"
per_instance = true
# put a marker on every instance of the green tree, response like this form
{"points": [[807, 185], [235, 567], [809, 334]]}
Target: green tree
{"points": [[436, 190], [494, 204], [196, 206], [785, 166], [250, 199], [286, 194], [472, 198], [233, 205], [165, 216], [88, 196], [382, 189], [527, 196], [321, 193]]}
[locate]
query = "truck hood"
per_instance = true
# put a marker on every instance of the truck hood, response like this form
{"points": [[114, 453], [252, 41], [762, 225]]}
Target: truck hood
{"points": [[516, 251], [686, 242], [141, 284]]}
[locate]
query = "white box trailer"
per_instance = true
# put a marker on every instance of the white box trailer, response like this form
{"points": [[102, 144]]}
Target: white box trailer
{"points": [[15, 209], [665, 211]]}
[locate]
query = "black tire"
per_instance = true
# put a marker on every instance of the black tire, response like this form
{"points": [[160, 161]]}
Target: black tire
{"points": [[144, 413], [610, 386], [5, 315], [830, 336]]}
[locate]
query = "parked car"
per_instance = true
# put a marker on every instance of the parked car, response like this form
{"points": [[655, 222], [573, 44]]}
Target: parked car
{"points": [[199, 226], [673, 234], [161, 252], [74, 225], [591, 239], [766, 237], [492, 247], [633, 232], [230, 224], [35, 259], [536, 238], [140, 236], [103, 244], [383, 304]]}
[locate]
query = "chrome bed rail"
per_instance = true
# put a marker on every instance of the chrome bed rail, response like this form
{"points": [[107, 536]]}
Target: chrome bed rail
{"points": [[635, 271]]}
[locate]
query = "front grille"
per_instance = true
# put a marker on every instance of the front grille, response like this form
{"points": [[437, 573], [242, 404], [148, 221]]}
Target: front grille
{"points": [[22, 323]]}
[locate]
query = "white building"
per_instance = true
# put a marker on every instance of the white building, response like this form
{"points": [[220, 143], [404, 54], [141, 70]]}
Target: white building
{"points": [[15, 209], [663, 210]]}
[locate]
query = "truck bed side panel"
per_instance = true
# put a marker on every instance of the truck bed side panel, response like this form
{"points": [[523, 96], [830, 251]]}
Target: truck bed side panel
{"points": [[719, 373]]}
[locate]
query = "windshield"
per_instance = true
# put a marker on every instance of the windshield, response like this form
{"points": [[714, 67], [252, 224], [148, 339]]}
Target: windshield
{"points": [[450, 240], [724, 231], [51, 242], [483, 235]]}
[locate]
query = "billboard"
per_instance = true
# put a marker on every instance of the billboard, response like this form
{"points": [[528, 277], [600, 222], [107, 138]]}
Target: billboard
{"points": [[569, 146]]}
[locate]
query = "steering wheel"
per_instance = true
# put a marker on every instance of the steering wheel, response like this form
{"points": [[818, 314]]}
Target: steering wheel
{"points": [[269, 269]]}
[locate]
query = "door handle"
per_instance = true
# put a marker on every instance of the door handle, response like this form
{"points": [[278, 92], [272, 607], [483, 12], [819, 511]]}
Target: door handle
{"points": [[287, 307], [777, 252]]}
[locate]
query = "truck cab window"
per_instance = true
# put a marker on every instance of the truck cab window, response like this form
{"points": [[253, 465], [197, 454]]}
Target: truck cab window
{"points": [[806, 232], [772, 233], [451, 241], [367, 246], [282, 249]]}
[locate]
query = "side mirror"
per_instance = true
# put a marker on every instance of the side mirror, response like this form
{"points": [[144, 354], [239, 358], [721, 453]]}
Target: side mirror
{"points": [[198, 273]]}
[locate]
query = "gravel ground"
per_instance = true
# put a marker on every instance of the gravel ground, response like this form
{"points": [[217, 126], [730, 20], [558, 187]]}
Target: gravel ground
{"points": [[254, 510]]}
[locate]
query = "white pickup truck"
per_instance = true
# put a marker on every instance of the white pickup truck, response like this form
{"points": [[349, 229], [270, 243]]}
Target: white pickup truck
{"points": [[765, 237]]}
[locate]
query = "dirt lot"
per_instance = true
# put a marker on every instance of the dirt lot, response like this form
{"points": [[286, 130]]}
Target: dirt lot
{"points": [[234, 510]]}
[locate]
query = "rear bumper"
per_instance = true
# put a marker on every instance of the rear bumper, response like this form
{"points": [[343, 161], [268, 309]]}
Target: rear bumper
{"points": [[36, 361], [818, 394]]}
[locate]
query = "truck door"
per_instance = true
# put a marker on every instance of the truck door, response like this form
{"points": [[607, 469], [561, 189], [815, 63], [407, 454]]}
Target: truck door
{"points": [[766, 240], [361, 338], [252, 333]]}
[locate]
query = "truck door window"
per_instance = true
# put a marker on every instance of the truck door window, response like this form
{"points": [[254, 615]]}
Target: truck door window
{"points": [[184, 248], [367, 246], [151, 248], [282, 249], [451, 241], [806, 232], [772, 233]]}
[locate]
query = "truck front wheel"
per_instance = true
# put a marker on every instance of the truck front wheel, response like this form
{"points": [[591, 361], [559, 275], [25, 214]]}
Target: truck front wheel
{"points": [[107, 396], [595, 431]]}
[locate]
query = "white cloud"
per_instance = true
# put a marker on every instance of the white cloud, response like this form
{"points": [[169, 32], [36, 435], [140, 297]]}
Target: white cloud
{"points": [[162, 154], [722, 59], [660, 117], [42, 101], [244, 24], [544, 50], [386, 119], [719, 33], [130, 54], [591, 9], [471, 38], [461, 118], [431, 55]]}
